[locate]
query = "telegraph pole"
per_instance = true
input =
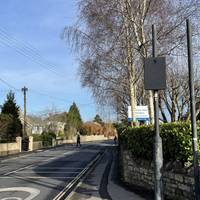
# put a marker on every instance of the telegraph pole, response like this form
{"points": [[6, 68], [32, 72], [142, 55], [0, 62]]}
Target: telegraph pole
{"points": [[24, 90]]}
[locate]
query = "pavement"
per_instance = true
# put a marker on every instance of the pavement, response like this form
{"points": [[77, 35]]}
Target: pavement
{"points": [[101, 182]]}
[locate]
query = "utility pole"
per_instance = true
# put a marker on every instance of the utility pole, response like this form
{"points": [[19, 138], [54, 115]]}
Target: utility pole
{"points": [[158, 154], [193, 112], [24, 90]]}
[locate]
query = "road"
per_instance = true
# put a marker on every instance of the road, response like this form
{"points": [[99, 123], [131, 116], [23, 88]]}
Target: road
{"points": [[44, 175]]}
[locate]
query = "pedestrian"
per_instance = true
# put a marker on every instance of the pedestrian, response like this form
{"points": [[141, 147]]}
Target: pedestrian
{"points": [[78, 139], [115, 139]]}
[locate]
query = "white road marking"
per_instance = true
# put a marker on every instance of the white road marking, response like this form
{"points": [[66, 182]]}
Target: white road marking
{"points": [[12, 198], [45, 172], [37, 177], [58, 168], [6, 174], [33, 192], [3, 161]]}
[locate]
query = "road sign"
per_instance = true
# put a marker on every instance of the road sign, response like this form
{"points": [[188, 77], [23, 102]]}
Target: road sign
{"points": [[155, 73], [141, 113]]}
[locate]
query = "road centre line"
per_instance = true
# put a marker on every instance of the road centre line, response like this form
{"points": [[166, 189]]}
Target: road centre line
{"points": [[45, 172], [37, 177], [59, 168], [6, 174], [6, 160], [39, 151]]}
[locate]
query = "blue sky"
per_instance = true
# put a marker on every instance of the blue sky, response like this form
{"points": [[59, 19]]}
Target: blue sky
{"points": [[38, 24]]}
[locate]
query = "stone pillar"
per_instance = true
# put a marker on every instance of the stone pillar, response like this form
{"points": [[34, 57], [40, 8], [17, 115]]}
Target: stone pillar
{"points": [[53, 142], [19, 143], [30, 145]]}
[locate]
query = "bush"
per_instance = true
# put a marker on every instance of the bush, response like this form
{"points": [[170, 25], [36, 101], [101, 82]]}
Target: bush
{"points": [[37, 137], [45, 137], [176, 138]]}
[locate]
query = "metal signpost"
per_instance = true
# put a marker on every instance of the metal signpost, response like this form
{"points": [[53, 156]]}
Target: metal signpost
{"points": [[193, 112], [155, 79]]}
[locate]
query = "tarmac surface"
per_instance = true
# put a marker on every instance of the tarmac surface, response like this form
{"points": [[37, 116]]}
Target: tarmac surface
{"points": [[102, 183], [44, 175]]}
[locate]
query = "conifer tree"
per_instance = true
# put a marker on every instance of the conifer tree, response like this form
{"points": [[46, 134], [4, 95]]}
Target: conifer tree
{"points": [[98, 119], [12, 109], [73, 117]]}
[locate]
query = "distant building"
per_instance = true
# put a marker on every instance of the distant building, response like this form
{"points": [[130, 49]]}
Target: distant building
{"points": [[37, 129]]}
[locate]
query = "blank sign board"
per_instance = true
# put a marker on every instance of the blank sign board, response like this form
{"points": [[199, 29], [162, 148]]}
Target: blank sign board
{"points": [[155, 73]]}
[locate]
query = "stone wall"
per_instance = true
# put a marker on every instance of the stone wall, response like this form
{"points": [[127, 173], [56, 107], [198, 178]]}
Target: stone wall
{"points": [[88, 138], [37, 145], [176, 186], [10, 148]]}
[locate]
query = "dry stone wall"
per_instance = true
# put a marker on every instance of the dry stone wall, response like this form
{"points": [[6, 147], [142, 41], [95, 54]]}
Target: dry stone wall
{"points": [[176, 186]]}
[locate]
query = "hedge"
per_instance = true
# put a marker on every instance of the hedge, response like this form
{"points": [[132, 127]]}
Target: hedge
{"points": [[176, 139], [45, 137]]}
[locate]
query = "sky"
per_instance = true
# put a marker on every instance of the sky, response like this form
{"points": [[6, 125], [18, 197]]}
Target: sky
{"points": [[32, 54]]}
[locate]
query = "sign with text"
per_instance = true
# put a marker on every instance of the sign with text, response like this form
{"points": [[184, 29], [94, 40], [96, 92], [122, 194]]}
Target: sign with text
{"points": [[141, 113]]}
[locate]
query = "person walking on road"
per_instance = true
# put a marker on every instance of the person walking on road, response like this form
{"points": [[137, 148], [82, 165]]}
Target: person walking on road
{"points": [[78, 139], [115, 139]]}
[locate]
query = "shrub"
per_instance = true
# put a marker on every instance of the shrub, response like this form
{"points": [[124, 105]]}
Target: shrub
{"points": [[37, 137], [47, 138], [176, 139]]}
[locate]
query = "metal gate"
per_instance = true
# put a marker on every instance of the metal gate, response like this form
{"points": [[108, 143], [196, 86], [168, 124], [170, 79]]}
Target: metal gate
{"points": [[25, 144]]}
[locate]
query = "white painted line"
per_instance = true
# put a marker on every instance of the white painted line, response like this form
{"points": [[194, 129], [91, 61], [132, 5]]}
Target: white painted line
{"points": [[58, 168], [45, 172], [36, 164], [6, 174], [37, 177], [33, 192], [3, 161]]}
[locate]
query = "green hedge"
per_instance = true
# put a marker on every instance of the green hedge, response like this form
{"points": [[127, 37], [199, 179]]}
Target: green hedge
{"points": [[176, 138], [45, 137], [37, 137]]}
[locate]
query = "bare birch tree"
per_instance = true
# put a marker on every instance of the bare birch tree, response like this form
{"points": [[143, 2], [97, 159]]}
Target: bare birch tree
{"points": [[113, 38]]}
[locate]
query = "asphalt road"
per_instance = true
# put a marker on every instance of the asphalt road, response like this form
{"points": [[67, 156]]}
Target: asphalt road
{"points": [[43, 175]]}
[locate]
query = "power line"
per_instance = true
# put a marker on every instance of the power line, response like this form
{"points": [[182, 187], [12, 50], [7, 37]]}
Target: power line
{"points": [[27, 46], [8, 84], [9, 43], [26, 50], [50, 96], [43, 94], [56, 98]]}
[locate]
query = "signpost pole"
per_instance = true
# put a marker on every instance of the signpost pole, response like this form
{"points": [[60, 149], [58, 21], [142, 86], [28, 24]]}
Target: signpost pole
{"points": [[193, 112], [158, 155]]}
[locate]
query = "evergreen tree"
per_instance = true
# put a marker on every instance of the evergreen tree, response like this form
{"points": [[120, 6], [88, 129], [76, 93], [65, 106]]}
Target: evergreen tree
{"points": [[73, 117], [10, 108], [73, 121], [98, 119]]}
